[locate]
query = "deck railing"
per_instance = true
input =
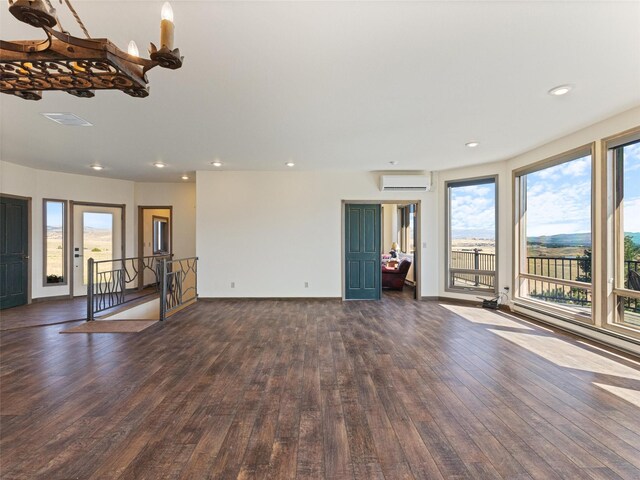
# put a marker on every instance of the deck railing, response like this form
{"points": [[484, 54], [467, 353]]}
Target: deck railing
{"points": [[562, 268], [474, 260]]}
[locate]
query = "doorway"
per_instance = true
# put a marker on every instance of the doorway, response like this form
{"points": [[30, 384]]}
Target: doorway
{"points": [[15, 246], [155, 236], [381, 257], [399, 249], [98, 233]]}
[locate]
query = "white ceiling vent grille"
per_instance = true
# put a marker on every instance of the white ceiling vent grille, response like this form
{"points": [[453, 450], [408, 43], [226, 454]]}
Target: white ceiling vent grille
{"points": [[68, 119], [415, 183]]}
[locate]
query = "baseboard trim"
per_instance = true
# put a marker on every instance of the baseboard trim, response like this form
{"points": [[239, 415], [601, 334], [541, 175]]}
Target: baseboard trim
{"points": [[213, 299], [458, 301], [463, 301], [47, 299]]}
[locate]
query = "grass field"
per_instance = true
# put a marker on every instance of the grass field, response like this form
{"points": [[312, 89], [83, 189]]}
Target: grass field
{"points": [[97, 245], [468, 244]]}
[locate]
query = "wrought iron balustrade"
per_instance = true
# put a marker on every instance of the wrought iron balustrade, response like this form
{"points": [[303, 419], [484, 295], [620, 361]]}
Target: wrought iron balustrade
{"points": [[179, 284], [111, 283]]}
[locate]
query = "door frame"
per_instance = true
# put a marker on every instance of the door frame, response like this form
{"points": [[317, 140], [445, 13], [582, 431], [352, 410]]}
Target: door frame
{"points": [[29, 240], [141, 209], [417, 255], [140, 249], [123, 217]]}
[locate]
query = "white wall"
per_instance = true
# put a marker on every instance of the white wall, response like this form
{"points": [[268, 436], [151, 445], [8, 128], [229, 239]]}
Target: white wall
{"points": [[39, 184], [182, 196], [269, 232]]}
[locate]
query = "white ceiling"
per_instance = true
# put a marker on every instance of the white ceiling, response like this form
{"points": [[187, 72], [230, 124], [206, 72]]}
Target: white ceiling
{"points": [[336, 85]]}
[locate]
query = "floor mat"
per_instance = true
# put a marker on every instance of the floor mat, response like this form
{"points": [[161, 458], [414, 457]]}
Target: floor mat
{"points": [[111, 326]]}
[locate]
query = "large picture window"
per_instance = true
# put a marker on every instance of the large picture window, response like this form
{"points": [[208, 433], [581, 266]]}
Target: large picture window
{"points": [[554, 234], [54, 214], [471, 235], [626, 177]]}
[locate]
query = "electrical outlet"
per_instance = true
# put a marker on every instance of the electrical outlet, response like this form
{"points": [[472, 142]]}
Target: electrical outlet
{"points": [[306, 284], [233, 284]]}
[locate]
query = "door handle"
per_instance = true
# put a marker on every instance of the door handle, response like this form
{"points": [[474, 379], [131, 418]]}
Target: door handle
{"points": [[25, 257]]}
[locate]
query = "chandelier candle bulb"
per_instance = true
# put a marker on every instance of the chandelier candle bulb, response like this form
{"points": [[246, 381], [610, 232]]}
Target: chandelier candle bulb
{"points": [[133, 49], [166, 27]]}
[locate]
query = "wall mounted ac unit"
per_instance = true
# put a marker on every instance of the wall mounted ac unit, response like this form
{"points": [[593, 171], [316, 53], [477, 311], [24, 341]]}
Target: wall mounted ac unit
{"points": [[416, 183]]}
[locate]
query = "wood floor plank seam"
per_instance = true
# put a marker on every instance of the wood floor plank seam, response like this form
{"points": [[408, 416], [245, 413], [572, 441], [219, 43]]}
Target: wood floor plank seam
{"points": [[311, 388]]}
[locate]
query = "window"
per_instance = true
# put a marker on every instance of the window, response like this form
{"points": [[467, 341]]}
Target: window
{"points": [[471, 234], [55, 242], [626, 175], [160, 235], [406, 223], [554, 234]]}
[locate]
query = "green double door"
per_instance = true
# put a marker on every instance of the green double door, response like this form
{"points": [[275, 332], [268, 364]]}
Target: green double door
{"points": [[362, 252], [14, 252]]}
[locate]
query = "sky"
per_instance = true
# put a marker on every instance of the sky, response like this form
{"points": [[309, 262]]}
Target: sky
{"points": [[473, 211], [91, 220], [632, 188], [54, 214], [98, 220], [558, 200]]}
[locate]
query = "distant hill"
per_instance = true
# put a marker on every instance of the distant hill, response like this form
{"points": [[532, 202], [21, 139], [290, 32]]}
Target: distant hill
{"points": [[572, 240], [488, 234], [562, 240]]}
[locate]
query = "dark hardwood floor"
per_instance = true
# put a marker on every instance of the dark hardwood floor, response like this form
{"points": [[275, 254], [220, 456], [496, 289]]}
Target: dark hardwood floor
{"points": [[54, 312], [286, 389]]}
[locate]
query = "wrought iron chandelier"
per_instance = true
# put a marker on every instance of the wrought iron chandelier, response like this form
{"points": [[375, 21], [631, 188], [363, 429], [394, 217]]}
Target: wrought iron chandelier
{"points": [[78, 66]]}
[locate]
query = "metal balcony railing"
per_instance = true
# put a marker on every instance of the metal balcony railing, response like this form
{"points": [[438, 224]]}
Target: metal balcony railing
{"points": [[562, 268]]}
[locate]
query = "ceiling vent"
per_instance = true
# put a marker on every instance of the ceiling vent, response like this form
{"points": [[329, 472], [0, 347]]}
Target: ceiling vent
{"points": [[68, 119], [415, 183]]}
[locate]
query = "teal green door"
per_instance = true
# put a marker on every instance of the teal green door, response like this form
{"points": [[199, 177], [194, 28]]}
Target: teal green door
{"points": [[14, 251], [362, 252]]}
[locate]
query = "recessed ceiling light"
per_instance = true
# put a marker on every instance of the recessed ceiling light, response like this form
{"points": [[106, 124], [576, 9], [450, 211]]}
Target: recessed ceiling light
{"points": [[159, 165], [472, 144], [185, 177], [217, 163], [95, 166], [290, 164], [560, 90], [68, 119], [393, 162]]}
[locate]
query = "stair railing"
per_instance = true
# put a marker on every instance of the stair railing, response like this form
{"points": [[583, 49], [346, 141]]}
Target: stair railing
{"points": [[179, 284], [111, 283]]}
